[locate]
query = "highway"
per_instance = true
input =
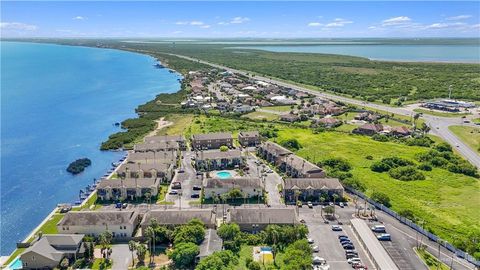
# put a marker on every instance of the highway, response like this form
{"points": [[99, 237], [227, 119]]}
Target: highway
{"points": [[438, 125]]}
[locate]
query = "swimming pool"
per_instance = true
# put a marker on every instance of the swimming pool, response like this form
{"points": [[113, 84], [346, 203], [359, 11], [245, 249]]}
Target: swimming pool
{"points": [[224, 175], [16, 264], [266, 249]]}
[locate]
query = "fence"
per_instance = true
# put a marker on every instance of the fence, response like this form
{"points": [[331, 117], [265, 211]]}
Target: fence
{"points": [[409, 223]]}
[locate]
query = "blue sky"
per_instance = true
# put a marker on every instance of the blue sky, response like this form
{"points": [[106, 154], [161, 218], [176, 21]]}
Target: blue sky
{"points": [[240, 19]]}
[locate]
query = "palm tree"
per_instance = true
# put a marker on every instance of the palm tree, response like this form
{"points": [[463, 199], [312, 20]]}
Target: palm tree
{"points": [[132, 246], [321, 200], [105, 240], [415, 118], [297, 194], [150, 234], [141, 251]]}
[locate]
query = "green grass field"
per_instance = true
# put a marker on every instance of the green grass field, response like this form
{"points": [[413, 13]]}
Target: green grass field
{"points": [[469, 135], [441, 114], [261, 116], [278, 108], [441, 199]]}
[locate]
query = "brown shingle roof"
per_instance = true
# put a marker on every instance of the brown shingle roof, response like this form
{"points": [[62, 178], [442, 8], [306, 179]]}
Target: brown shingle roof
{"points": [[91, 218], [217, 154], [212, 136], [177, 217], [312, 183], [262, 216], [233, 183]]}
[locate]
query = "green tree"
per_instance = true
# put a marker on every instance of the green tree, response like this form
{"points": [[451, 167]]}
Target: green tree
{"points": [[105, 240], [228, 231], [189, 233], [183, 255], [64, 263], [223, 148], [235, 193]]}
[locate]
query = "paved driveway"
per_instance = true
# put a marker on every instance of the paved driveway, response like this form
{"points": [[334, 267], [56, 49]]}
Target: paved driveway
{"points": [[121, 256]]}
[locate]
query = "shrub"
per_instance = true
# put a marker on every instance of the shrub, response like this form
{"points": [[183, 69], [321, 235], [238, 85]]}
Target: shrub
{"points": [[338, 164], [407, 213], [369, 157], [419, 141], [291, 144], [425, 167], [380, 138], [381, 198], [443, 147], [223, 148], [380, 166], [407, 173], [354, 183]]}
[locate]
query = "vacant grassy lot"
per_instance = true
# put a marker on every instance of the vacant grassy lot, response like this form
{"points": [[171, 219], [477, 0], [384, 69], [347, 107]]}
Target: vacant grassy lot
{"points": [[261, 116], [278, 108], [469, 135], [446, 201]]}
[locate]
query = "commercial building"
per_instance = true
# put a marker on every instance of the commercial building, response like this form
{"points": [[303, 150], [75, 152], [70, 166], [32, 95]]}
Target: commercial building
{"points": [[249, 138], [212, 140]]}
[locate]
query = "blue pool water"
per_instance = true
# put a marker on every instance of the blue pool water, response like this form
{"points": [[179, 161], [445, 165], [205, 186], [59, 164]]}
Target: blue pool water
{"points": [[58, 103], [224, 175], [265, 249], [15, 265]]}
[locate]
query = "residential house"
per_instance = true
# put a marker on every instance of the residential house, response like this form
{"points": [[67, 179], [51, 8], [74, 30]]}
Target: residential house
{"points": [[243, 109], [51, 249], [290, 117], [166, 157], [401, 131], [249, 138], [174, 217], [297, 167], [328, 122], [157, 146], [131, 188], [254, 220], [218, 160], [311, 189], [168, 138], [215, 187], [367, 116], [273, 152], [93, 223], [368, 129], [212, 140], [163, 171]]}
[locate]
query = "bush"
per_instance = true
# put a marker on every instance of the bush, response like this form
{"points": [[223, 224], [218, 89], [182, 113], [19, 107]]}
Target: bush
{"points": [[354, 183], [183, 255], [291, 144], [380, 138], [251, 265], [443, 147], [337, 163], [381, 198], [223, 148], [380, 166], [425, 167], [407, 214], [389, 163], [407, 173], [419, 141]]}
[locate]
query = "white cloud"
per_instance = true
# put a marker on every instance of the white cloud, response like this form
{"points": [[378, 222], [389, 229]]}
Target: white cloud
{"points": [[17, 26], [314, 24], [205, 26], [459, 17], [78, 18], [223, 23], [396, 21], [338, 22], [238, 20], [196, 23], [456, 25], [181, 23], [437, 26]]}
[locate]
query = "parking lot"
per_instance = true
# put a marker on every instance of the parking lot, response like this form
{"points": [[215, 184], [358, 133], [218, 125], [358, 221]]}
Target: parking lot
{"points": [[327, 240]]}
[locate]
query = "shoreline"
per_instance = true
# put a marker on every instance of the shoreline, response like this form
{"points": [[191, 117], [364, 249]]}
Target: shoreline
{"points": [[55, 209]]}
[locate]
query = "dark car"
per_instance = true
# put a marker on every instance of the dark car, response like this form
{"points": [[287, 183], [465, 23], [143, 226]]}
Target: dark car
{"points": [[195, 195], [348, 247], [176, 185], [342, 236], [197, 188], [351, 255], [173, 192]]}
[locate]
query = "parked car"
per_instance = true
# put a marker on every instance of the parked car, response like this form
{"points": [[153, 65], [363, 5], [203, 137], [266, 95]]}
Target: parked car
{"points": [[315, 249], [195, 195], [173, 192], [336, 228], [118, 205], [351, 255], [342, 236], [310, 241], [176, 185], [124, 205], [331, 204], [269, 171], [197, 187], [384, 237], [351, 252], [181, 170], [357, 265], [346, 243], [379, 229], [356, 259], [348, 247], [341, 205], [310, 204]]}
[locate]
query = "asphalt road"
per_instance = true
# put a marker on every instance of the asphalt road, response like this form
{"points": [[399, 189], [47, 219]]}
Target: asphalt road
{"points": [[441, 122]]}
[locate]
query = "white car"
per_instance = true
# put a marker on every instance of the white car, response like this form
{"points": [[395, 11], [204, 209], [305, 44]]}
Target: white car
{"points": [[352, 260], [311, 241], [315, 249], [309, 204]]}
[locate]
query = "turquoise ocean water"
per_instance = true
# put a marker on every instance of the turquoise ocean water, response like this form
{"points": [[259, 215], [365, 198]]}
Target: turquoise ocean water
{"points": [[58, 103]]}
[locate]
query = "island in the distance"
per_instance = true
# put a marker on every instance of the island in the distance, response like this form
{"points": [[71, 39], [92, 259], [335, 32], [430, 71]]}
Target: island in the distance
{"points": [[78, 165]]}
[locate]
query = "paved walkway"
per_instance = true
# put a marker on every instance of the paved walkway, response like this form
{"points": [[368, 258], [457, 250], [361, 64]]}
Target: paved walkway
{"points": [[121, 256]]}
